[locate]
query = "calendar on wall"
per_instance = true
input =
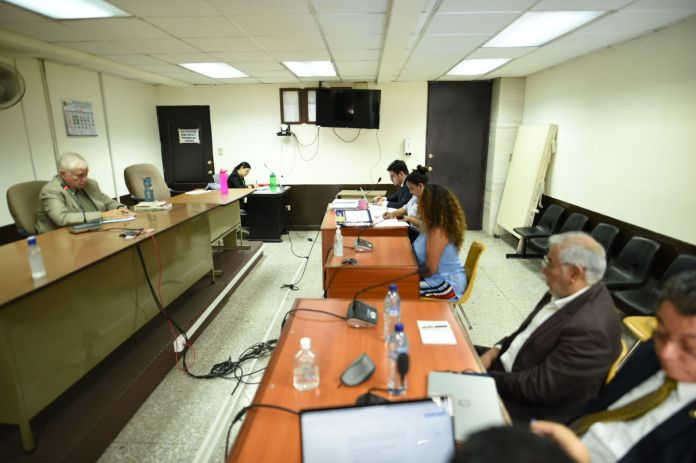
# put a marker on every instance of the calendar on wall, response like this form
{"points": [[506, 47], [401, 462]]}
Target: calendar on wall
{"points": [[79, 118]]}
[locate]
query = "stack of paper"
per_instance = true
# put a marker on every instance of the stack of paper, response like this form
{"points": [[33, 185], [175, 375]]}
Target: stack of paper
{"points": [[152, 206], [436, 332], [343, 204]]}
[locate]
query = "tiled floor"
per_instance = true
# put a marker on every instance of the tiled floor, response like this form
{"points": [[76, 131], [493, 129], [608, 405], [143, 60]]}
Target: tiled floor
{"points": [[186, 419]]}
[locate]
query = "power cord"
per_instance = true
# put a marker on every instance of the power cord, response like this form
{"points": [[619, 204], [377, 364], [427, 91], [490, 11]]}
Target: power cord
{"points": [[241, 414], [292, 311], [229, 369], [294, 286], [343, 139]]}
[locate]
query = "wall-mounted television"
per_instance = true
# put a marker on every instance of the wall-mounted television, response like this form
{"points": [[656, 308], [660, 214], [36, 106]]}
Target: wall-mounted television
{"points": [[345, 107]]}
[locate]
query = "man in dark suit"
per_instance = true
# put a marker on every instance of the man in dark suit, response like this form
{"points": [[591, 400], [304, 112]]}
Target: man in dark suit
{"points": [[397, 173], [660, 378], [560, 355]]}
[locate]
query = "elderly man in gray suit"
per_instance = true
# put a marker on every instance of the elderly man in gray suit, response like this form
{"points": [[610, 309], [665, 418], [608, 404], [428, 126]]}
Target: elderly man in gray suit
{"points": [[560, 356], [72, 198]]}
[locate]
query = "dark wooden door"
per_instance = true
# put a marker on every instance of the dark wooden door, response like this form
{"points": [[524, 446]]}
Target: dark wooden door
{"points": [[187, 146], [457, 142]]}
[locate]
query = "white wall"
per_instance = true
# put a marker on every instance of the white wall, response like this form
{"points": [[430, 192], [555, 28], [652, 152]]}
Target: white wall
{"points": [[27, 149], [245, 119], [627, 130]]}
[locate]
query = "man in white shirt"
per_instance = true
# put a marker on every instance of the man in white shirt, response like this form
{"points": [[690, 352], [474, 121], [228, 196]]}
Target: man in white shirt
{"points": [[559, 357], [665, 428]]}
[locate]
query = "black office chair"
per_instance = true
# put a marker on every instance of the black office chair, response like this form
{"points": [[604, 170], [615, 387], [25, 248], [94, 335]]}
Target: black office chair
{"points": [[548, 223], [632, 268], [574, 222], [605, 235], [645, 301]]}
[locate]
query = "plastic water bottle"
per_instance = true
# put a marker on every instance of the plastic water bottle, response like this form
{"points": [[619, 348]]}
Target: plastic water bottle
{"points": [[36, 263], [306, 373], [338, 243], [392, 311], [273, 183], [148, 193], [398, 344], [224, 188]]}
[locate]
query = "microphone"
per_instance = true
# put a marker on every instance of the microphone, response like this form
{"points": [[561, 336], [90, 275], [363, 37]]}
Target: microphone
{"points": [[362, 315], [269, 169]]}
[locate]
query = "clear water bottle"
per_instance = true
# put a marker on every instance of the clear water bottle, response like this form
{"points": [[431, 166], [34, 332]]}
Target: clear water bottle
{"points": [[36, 263], [338, 243], [392, 311], [306, 373], [148, 193], [398, 346], [273, 182]]}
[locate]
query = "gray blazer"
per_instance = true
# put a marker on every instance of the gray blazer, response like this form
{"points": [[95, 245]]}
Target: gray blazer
{"points": [[59, 208]]}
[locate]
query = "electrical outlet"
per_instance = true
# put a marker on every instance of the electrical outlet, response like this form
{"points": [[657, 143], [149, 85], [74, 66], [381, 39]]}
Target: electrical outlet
{"points": [[179, 343], [219, 151], [288, 207]]}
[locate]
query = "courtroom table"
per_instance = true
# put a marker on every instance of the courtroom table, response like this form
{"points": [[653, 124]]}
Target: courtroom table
{"points": [[269, 435], [359, 194], [267, 214], [94, 297], [224, 219], [391, 258], [328, 230]]}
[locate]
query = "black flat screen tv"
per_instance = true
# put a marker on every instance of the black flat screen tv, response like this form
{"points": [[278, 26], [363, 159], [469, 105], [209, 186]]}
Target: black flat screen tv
{"points": [[345, 107]]}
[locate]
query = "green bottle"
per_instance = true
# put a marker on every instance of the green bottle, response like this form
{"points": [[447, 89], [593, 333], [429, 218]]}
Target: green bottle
{"points": [[273, 182]]}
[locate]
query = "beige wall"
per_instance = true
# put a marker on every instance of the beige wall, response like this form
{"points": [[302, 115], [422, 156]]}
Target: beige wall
{"points": [[627, 130], [245, 119]]}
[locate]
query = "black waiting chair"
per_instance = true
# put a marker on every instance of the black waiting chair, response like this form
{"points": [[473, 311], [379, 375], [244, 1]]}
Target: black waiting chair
{"points": [[574, 222], [547, 226], [605, 234], [645, 301], [632, 268]]}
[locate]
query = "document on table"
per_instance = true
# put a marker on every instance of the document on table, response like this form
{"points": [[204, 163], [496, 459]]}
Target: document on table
{"points": [[197, 192], [436, 332], [343, 204]]}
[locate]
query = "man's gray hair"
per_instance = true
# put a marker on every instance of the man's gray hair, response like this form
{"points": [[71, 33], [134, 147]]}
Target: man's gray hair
{"points": [[578, 248], [71, 161], [680, 290]]}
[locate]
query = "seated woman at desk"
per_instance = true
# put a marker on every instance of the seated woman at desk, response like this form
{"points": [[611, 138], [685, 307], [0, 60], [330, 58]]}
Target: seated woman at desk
{"points": [[236, 179], [437, 247], [415, 181]]}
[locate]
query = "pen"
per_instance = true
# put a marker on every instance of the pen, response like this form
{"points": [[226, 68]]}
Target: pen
{"points": [[436, 326]]}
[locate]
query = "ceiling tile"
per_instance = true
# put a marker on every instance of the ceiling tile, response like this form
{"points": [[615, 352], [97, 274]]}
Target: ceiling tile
{"points": [[301, 55], [194, 27], [487, 53], [485, 5], [117, 28], [241, 80], [98, 48], [161, 68], [276, 80], [356, 67], [356, 55], [253, 67], [353, 6], [152, 46], [224, 44], [289, 43], [134, 60], [186, 58], [260, 7], [277, 24], [283, 74], [467, 23], [562, 5], [663, 4], [11, 13], [243, 56], [459, 41], [49, 31], [355, 42], [636, 20], [353, 24], [153, 8]]}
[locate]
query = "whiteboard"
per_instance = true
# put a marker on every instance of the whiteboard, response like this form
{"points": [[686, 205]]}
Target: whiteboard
{"points": [[525, 178]]}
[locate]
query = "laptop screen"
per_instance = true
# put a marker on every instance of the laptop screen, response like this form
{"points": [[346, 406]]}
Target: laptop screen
{"points": [[411, 431]]}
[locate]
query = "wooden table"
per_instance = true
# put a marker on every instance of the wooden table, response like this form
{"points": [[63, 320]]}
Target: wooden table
{"points": [[391, 258], [358, 194], [328, 230], [94, 297], [269, 435]]}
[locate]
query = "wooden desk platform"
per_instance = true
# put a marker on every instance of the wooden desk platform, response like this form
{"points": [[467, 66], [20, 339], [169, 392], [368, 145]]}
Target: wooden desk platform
{"points": [[94, 297], [357, 194], [391, 258], [269, 435]]}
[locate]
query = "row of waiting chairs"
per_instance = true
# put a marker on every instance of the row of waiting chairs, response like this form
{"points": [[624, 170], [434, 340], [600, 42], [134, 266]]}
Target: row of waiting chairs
{"points": [[627, 277]]}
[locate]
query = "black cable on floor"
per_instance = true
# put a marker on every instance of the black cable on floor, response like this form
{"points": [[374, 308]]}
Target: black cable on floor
{"points": [[243, 411], [293, 286], [229, 369]]}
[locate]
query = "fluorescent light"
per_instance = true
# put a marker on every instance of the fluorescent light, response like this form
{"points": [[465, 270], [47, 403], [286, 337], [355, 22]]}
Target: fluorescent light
{"points": [[475, 67], [71, 9], [214, 70], [311, 68], [535, 28]]}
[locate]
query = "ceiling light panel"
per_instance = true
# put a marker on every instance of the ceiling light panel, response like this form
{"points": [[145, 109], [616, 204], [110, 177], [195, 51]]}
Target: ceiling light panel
{"points": [[214, 70], [71, 9], [311, 68], [476, 67], [536, 28]]}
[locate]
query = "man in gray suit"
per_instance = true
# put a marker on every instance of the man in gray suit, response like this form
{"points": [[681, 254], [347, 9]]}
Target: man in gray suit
{"points": [[560, 355], [72, 198]]}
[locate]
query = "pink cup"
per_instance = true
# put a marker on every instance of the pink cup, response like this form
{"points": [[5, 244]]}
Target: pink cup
{"points": [[362, 204]]}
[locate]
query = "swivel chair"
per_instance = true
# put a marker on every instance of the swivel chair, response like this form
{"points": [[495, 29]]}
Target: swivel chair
{"points": [[134, 175], [23, 202]]}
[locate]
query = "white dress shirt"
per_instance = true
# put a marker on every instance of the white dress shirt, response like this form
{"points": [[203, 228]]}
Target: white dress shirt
{"points": [[611, 440], [412, 206], [509, 356]]}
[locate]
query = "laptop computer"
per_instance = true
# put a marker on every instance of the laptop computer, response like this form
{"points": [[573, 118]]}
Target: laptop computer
{"points": [[476, 403], [410, 431], [356, 218]]}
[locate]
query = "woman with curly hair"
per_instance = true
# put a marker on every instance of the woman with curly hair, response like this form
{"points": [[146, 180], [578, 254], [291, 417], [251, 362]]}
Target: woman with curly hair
{"points": [[442, 226]]}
